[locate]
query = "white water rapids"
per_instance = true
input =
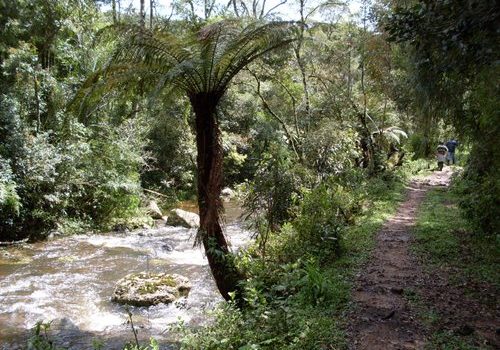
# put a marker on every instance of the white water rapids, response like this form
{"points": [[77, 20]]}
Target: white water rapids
{"points": [[70, 281]]}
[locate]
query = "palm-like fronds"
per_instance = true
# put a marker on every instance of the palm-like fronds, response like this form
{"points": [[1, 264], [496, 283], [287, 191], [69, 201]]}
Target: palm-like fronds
{"points": [[392, 133], [199, 62]]}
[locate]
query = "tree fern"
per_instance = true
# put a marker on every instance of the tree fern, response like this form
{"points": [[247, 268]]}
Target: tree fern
{"points": [[201, 65]]}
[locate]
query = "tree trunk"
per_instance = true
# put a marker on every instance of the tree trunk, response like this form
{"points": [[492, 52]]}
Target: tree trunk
{"points": [[209, 163], [113, 9], [151, 10], [142, 15], [37, 100]]}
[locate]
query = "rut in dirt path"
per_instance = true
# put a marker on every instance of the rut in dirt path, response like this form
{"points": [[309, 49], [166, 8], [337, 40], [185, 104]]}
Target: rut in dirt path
{"points": [[382, 318]]}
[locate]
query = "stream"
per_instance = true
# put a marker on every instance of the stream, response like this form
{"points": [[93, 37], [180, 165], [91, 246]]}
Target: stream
{"points": [[70, 280]]}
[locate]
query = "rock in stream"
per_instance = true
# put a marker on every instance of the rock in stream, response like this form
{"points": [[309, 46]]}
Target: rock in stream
{"points": [[146, 288]]}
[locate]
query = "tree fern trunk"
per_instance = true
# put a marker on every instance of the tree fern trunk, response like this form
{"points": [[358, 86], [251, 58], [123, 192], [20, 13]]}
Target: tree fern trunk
{"points": [[209, 163]]}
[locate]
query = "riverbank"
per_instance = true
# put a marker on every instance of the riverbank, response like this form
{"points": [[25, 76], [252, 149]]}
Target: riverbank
{"points": [[419, 279], [300, 304]]}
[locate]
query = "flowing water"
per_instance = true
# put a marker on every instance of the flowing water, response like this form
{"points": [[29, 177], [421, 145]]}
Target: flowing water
{"points": [[70, 281]]}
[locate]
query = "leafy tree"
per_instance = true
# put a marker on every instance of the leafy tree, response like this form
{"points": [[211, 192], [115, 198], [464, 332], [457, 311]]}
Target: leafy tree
{"points": [[56, 170], [454, 45], [201, 65]]}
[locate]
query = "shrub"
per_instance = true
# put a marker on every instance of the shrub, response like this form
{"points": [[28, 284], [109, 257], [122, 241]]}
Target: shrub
{"points": [[479, 190], [87, 180], [420, 145], [10, 202], [274, 192], [324, 214]]}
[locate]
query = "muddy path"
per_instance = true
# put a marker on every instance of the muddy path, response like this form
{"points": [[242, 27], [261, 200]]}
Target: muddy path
{"points": [[383, 316]]}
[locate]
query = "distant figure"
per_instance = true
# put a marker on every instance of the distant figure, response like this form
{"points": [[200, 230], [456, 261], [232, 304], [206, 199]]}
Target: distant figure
{"points": [[441, 153], [451, 145]]}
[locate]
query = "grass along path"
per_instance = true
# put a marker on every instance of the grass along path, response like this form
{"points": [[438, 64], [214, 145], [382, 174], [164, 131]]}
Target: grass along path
{"points": [[383, 317], [458, 298]]}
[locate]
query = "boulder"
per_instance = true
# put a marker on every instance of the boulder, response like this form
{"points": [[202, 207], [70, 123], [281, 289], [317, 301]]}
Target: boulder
{"points": [[179, 217], [154, 210], [161, 222], [53, 235], [146, 288]]}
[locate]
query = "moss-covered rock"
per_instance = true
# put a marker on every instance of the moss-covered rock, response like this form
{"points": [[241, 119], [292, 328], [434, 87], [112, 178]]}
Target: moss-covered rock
{"points": [[146, 288]]}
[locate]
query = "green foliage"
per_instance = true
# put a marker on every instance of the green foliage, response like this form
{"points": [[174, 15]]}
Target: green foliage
{"points": [[330, 149], [40, 339], [281, 325], [447, 340], [295, 299], [445, 238], [324, 214], [274, 191], [480, 184], [419, 145], [10, 203], [64, 174], [315, 286], [416, 167], [455, 58], [170, 151], [235, 157], [91, 178], [153, 345], [479, 195]]}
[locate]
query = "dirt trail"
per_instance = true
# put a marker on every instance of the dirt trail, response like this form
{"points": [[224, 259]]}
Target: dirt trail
{"points": [[382, 318]]}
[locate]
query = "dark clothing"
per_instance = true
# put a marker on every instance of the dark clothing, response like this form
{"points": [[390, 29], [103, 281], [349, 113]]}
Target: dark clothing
{"points": [[450, 158], [451, 145]]}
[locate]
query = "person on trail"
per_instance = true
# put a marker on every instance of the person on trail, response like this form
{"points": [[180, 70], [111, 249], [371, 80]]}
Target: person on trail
{"points": [[441, 153], [451, 145]]}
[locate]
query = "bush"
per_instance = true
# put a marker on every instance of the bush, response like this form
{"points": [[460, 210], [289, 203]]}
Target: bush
{"points": [[479, 190], [10, 202], [420, 145], [324, 214], [414, 167], [73, 184], [330, 149], [281, 324], [274, 192]]}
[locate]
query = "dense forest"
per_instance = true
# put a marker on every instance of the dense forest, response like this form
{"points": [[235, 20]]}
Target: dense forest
{"points": [[315, 113]]}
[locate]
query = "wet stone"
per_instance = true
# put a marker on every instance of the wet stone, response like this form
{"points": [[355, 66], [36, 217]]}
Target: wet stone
{"points": [[146, 289], [179, 217], [167, 247]]}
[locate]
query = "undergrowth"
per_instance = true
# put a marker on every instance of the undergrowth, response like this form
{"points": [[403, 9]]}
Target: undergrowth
{"points": [[298, 293]]}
